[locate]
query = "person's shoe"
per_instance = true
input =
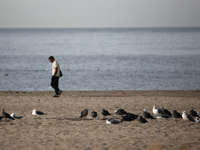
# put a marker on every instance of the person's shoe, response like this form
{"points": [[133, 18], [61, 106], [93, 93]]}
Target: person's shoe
{"points": [[60, 92], [56, 96]]}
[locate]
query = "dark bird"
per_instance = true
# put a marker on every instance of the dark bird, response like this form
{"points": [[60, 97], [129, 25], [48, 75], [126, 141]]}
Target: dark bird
{"points": [[132, 116], [193, 113], [36, 112], [125, 118], [141, 119], [84, 113], [6, 115], [147, 115], [1, 117], [105, 112], [176, 115], [120, 112], [166, 112], [94, 114]]}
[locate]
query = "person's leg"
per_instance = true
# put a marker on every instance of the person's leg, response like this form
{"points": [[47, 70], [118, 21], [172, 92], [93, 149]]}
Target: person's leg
{"points": [[54, 84], [58, 84], [59, 91]]}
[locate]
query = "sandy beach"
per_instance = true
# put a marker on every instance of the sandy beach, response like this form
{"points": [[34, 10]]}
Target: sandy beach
{"points": [[62, 128]]}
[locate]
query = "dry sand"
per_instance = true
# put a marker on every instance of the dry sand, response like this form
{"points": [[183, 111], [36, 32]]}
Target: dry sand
{"points": [[62, 129]]}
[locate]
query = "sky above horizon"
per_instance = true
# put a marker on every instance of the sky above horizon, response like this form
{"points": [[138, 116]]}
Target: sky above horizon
{"points": [[99, 13]]}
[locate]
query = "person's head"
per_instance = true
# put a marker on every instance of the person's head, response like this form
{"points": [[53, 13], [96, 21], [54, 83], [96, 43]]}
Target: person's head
{"points": [[51, 59]]}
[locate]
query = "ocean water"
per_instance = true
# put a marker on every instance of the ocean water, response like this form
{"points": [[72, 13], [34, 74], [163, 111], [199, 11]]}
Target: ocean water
{"points": [[127, 58]]}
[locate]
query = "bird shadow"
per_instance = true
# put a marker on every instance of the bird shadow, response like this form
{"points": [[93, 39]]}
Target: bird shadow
{"points": [[19, 117], [113, 117], [44, 118], [77, 119], [104, 118], [70, 119]]}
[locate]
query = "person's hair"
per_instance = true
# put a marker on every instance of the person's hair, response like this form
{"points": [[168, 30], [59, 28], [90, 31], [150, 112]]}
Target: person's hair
{"points": [[51, 57]]}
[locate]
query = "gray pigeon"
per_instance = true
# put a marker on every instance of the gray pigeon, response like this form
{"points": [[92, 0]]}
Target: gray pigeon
{"points": [[84, 113]]}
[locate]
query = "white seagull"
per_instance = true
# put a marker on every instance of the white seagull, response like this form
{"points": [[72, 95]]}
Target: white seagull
{"points": [[112, 121], [197, 119], [35, 112], [187, 117], [157, 112], [17, 117]]}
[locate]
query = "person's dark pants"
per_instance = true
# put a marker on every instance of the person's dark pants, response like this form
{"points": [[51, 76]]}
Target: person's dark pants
{"points": [[54, 84]]}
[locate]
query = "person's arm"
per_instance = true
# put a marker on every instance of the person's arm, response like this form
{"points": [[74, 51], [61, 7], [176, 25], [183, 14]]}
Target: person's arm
{"points": [[56, 69]]}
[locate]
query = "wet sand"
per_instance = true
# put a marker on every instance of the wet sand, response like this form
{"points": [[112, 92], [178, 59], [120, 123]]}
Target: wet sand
{"points": [[62, 128]]}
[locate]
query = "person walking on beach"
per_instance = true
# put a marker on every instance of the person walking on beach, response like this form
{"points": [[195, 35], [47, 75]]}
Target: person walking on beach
{"points": [[56, 75]]}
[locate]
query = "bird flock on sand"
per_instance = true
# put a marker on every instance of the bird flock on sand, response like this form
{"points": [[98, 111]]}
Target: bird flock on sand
{"points": [[157, 114], [193, 116], [12, 116]]}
